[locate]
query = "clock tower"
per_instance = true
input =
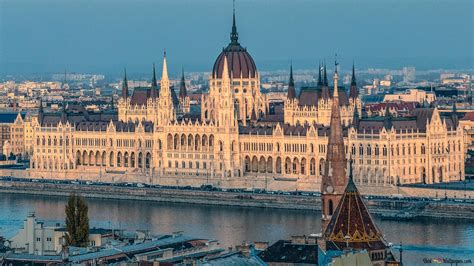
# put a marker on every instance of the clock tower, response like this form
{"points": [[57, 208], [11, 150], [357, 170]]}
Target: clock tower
{"points": [[334, 178]]}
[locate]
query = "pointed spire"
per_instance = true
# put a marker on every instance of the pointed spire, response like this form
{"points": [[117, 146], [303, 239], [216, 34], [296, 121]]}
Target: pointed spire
{"points": [[335, 167], [125, 85], [164, 74], [225, 70], [234, 36], [320, 81], [154, 85], [291, 85], [182, 87], [354, 92], [325, 81], [353, 80]]}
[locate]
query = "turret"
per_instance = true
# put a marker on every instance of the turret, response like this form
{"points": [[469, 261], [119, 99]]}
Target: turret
{"points": [[291, 86]]}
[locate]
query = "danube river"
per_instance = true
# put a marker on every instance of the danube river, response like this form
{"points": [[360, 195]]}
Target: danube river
{"points": [[232, 225]]}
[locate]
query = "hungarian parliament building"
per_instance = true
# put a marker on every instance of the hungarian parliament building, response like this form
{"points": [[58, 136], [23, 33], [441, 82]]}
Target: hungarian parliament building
{"points": [[151, 135]]}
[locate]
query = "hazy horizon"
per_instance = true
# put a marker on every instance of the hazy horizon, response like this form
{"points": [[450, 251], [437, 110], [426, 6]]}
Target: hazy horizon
{"points": [[104, 36]]}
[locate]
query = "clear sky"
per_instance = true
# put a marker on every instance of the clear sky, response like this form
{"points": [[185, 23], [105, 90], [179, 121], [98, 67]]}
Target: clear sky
{"points": [[42, 36]]}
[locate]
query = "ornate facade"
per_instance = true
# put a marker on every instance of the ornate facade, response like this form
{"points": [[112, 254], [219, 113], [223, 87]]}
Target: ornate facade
{"points": [[236, 138]]}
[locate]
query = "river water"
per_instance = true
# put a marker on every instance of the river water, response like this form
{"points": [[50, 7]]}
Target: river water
{"points": [[428, 238]]}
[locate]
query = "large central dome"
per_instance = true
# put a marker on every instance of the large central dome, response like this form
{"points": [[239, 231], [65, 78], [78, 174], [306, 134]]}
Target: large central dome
{"points": [[240, 63]]}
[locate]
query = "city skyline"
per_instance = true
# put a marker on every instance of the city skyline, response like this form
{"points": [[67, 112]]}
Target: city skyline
{"points": [[105, 37]]}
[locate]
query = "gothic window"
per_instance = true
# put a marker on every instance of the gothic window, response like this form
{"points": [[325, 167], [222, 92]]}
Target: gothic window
{"points": [[353, 150], [384, 150], [361, 150], [278, 165], [377, 150], [369, 150], [312, 166]]}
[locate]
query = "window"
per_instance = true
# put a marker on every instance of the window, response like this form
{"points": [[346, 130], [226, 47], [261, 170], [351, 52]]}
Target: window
{"points": [[38, 239]]}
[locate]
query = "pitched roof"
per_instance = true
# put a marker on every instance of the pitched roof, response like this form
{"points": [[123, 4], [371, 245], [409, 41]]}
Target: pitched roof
{"points": [[352, 225], [140, 96], [284, 251], [309, 96]]}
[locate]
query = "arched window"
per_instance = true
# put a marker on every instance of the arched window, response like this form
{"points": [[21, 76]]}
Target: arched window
{"points": [[361, 150]]}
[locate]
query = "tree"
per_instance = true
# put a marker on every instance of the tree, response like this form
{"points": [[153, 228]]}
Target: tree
{"points": [[77, 221]]}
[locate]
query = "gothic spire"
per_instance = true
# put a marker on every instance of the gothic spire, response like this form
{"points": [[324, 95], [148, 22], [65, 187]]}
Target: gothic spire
{"points": [[291, 85], [325, 81], [154, 85], [182, 87], [125, 85], [353, 79], [335, 167], [354, 92], [320, 82], [234, 35], [164, 74]]}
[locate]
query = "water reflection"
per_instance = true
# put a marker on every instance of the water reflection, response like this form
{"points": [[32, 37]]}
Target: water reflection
{"points": [[230, 225]]}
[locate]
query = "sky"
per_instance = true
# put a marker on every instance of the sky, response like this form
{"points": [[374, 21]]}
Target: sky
{"points": [[104, 36]]}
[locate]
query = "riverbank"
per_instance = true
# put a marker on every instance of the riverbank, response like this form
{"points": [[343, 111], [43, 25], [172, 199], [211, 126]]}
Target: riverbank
{"points": [[432, 209]]}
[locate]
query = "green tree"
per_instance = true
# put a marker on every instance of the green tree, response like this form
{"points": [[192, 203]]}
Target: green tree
{"points": [[77, 221]]}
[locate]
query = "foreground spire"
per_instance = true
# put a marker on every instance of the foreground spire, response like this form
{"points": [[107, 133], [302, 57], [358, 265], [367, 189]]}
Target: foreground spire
{"points": [[334, 178], [352, 226]]}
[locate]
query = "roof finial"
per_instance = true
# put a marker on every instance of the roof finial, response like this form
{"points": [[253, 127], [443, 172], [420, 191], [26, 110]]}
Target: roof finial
{"points": [[335, 63], [234, 36]]}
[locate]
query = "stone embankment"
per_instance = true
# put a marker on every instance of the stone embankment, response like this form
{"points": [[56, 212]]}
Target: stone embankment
{"points": [[433, 209]]}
